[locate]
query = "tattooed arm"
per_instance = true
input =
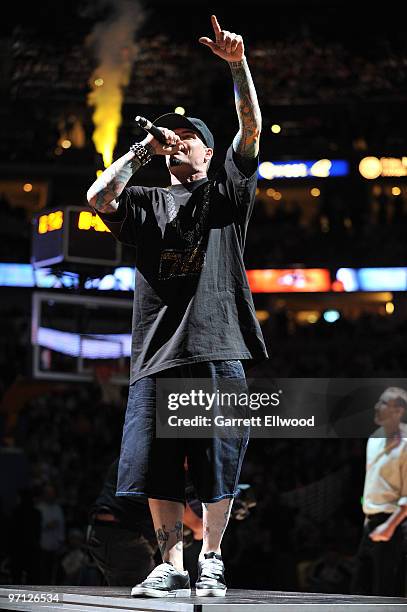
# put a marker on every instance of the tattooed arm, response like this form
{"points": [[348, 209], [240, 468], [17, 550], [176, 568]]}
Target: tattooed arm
{"points": [[104, 191], [246, 142], [110, 184], [230, 47]]}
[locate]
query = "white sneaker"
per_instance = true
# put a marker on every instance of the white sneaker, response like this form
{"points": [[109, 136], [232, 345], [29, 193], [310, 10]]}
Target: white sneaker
{"points": [[211, 579], [164, 581]]}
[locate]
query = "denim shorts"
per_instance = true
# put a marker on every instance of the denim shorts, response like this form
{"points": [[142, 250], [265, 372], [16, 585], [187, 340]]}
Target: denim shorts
{"points": [[155, 467]]}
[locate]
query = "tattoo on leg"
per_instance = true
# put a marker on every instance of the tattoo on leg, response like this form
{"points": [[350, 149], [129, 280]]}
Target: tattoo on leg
{"points": [[178, 530], [163, 535], [162, 538]]}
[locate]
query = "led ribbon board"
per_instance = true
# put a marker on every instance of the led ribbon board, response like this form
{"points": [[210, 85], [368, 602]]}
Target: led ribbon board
{"points": [[321, 168]]}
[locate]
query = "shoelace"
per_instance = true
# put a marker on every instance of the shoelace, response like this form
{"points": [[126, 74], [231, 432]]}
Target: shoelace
{"points": [[211, 568], [160, 572]]}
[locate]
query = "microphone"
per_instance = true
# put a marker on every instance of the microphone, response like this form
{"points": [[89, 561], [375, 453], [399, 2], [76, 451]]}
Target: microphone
{"points": [[146, 125]]}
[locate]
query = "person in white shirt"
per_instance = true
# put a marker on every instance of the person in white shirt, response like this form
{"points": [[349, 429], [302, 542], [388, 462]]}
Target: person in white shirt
{"points": [[380, 561]]}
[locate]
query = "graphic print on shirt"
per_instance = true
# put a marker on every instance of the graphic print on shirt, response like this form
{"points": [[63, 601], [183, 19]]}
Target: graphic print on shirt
{"points": [[189, 260]]}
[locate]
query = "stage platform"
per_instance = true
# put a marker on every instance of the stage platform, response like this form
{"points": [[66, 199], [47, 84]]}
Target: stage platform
{"points": [[105, 599]]}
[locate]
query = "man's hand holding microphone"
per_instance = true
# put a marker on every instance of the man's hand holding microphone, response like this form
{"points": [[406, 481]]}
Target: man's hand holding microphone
{"points": [[173, 143], [160, 140]]}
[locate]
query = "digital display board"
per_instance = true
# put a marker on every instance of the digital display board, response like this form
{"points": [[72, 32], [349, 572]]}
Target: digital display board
{"points": [[73, 236]]}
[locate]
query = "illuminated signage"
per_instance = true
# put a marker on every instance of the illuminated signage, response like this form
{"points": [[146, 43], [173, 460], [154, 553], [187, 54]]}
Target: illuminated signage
{"points": [[373, 279], [321, 168], [261, 281], [373, 167], [51, 222], [87, 221], [91, 346], [291, 280]]}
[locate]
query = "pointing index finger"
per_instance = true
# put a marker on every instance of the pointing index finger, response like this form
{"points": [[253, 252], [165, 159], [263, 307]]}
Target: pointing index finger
{"points": [[216, 26]]}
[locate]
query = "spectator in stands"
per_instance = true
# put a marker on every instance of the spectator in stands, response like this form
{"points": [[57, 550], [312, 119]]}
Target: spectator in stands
{"points": [[381, 557]]}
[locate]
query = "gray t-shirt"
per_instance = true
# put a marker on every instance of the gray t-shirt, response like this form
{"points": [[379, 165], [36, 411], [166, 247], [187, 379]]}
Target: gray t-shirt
{"points": [[192, 301]]}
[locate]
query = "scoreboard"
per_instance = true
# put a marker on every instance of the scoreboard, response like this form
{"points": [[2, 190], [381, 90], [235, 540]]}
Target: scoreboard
{"points": [[73, 236]]}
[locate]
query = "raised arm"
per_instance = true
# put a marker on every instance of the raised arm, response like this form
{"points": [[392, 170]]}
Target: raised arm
{"points": [[110, 184], [230, 47]]}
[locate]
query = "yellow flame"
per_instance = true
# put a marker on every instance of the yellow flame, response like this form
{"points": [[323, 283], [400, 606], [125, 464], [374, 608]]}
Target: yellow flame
{"points": [[108, 100], [112, 42]]}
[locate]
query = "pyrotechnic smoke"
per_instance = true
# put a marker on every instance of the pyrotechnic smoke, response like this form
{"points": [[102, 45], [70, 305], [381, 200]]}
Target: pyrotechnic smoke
{"points": [[113, 44]]}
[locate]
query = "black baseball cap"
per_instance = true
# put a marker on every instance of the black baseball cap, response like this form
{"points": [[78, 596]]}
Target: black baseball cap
{"points": [[174, 120]]}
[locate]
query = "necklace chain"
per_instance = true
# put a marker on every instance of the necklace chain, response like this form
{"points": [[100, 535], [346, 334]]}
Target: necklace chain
{"points": [[192, 235]]}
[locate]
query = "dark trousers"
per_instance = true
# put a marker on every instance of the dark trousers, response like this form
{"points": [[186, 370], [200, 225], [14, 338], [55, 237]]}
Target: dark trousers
{"points": [[124, 557], [380, 566]]}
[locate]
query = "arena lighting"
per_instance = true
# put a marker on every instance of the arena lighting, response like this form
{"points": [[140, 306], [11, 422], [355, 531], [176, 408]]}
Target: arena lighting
{"points": [[261, 281], [275, 128], [180, 110], [382, 279], [121, 279], [389, 307], [370, 167], [66, 144], [331, 316], [373, 167], [16, 275], [322, 168], [89, 346], [262, 315], [373, 279], [315, 192], [307, 316], [396, 191], [27, 187], [289, 280]]}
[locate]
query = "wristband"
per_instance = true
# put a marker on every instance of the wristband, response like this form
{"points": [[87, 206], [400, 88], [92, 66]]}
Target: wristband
{"points": [[141, 152]]}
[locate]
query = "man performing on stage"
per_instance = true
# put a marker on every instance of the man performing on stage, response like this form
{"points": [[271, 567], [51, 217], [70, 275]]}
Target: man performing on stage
{"points": [[193, 315], [380, 566]]}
